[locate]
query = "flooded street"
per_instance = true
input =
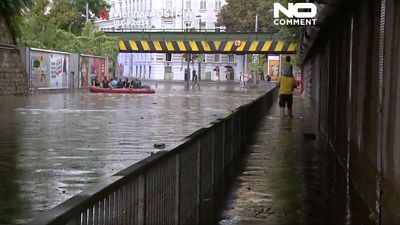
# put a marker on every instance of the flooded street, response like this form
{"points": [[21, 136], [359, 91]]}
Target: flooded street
{"points": [[52, 146]]}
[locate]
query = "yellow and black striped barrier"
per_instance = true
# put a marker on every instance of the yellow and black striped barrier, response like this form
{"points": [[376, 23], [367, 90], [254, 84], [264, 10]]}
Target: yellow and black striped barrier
{"points": [[223, 47]]}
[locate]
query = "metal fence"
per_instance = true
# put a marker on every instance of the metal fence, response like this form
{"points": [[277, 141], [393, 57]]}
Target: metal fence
{"points": [[9, 47], [185, 185]]}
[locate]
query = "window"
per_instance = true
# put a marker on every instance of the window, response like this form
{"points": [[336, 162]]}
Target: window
{"points": [[217, 58], [168, 4], [160, 57], [202, 25], [217, 4], [203, 5], [168, 57], [188, 4], [231, 58]]}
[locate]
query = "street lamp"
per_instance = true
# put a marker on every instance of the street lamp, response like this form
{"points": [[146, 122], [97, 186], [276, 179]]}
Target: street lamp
{"points": [[69, 27], [199, 58]]}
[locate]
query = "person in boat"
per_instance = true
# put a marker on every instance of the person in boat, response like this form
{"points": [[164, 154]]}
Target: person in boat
{"points": [[96, 82], [106, 84], [120, 84], [136, 83], [103, 82], [126, 83], [114, 82]]}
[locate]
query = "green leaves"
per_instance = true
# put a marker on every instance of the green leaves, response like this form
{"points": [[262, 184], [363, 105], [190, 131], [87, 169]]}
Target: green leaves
{"points": [[42, 32], [240, 15], [12, 10], [61, 27]]}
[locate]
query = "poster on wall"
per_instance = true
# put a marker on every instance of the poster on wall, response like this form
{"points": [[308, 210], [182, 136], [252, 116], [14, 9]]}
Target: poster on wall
{"points": [[58, 71], [49, 69], [90, 68], [40, 69], [273, 67]]}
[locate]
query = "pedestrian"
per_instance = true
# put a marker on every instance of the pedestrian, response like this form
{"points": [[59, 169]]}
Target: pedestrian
{"points": [[194, 76], [286, 84], [241, 79]]}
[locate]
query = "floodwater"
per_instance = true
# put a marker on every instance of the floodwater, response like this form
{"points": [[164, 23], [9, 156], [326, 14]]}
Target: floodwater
{"points": [[52, 146]]}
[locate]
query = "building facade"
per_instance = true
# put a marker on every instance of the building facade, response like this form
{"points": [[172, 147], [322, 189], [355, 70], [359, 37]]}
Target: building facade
{"points": [[170, 15]]}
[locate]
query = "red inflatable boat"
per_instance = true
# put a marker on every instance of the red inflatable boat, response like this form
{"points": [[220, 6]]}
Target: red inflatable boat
{"points": [[122, 90]]}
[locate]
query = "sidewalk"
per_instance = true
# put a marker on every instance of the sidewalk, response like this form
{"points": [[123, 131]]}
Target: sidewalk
{"points": [[285, 179]]}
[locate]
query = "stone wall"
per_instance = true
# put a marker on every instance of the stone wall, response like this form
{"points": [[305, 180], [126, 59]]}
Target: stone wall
{"points": [[13, 77]]}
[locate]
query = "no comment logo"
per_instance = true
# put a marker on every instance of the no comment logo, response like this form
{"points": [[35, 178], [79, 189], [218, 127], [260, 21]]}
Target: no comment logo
{"points": [[297, 14]]}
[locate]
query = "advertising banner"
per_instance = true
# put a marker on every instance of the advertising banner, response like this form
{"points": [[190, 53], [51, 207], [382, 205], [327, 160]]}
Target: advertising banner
{"points": [[91, 67], [48, 69], [273, 67]]}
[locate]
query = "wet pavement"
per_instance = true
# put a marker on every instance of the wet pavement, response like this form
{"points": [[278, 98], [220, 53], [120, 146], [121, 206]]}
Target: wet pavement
{"points": [[285, 179], [52, 146]]}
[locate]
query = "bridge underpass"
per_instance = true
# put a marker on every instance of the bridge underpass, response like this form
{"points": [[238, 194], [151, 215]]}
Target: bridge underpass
{"points": [[203, 42]]}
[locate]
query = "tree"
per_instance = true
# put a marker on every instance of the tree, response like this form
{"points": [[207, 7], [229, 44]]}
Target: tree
{"points": [[12, 11], [94, 6], [64, 13], [240, 15], [69, 15], [51, 31]]}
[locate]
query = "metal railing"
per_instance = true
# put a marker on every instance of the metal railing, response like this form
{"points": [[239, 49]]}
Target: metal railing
{"points": [[184, 185], [10, 47]]}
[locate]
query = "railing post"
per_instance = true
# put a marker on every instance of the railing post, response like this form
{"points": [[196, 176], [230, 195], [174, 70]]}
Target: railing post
{"points": [[177, 187], [198, 179], [142, 200], [213, 170]]}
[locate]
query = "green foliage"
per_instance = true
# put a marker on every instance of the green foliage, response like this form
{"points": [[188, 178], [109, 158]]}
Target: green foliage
{"points": [[45, 31], [64, 14], [239, 15], [89, 29], [13, 10], [94, 5], [260, 64]]}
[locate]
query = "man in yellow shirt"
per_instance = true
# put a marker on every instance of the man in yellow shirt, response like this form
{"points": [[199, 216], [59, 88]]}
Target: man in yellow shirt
{"points": [[286, 84]]}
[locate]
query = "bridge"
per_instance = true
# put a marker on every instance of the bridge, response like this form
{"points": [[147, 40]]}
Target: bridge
{"points": [[207, 41]]}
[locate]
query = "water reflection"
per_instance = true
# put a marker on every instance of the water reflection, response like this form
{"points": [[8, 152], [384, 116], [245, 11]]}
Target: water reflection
{"points": [[55, 145], [10, 193]]}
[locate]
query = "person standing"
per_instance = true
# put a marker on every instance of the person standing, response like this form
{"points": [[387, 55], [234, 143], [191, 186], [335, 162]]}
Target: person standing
{"points": [[286, 84]]}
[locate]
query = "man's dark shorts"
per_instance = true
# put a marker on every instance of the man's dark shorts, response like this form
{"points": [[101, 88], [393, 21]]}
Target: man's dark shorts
{"points": [[285, 100]]}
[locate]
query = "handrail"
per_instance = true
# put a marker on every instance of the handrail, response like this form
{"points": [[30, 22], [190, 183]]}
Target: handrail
{"points": [[4, 46]]}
